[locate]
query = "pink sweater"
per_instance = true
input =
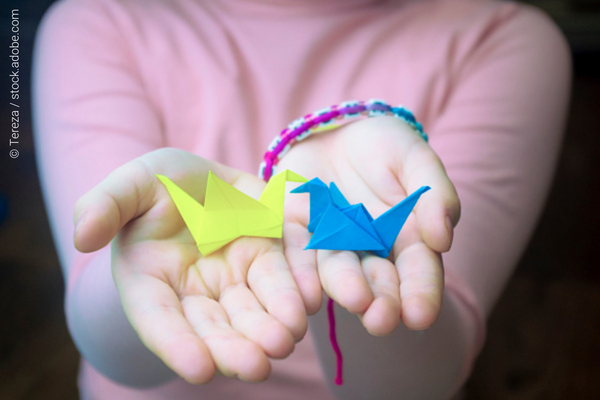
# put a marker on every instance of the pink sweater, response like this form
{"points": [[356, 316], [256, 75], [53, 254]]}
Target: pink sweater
{"points": [[114, 79]]}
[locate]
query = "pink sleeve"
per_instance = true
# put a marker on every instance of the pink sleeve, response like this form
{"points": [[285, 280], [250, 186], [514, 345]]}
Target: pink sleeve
{"points": [[499, 137], [91, 115]]}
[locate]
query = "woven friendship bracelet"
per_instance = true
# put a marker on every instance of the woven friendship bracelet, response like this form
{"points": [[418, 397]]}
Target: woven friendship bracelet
{"points": [[326, 119], [319, 121]]}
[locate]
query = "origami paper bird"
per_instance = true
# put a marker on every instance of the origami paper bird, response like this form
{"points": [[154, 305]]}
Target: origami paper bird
{"points": [[228, 213], [338, 225]]}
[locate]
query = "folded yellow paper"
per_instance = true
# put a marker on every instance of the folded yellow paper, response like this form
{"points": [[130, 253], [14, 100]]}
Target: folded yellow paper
{"points": [[228, 213]]}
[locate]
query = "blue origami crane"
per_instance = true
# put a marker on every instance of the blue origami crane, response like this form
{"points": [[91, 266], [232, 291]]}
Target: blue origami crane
{"points": [[338, 225]]}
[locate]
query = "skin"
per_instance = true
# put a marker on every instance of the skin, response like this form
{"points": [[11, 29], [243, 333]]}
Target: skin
{"points": [[231, 311]]}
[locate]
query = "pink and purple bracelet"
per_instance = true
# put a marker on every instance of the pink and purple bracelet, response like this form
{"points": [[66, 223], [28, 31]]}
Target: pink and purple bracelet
{"points": [[322, 120]]}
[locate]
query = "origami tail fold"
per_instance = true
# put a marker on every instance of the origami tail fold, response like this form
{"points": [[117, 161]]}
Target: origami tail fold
{"points": [[191, 211], [389, 224]]}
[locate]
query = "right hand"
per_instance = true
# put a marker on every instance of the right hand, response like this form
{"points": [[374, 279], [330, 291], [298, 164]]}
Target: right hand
{"points": [[226, 312], [377, 162]]}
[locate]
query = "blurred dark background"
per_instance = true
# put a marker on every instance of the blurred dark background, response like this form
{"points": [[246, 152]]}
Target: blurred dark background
{"points": [[543, 335]]}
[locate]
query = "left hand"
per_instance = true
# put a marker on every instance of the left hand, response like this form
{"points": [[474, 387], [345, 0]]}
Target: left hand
{"points": [[377, 161]]}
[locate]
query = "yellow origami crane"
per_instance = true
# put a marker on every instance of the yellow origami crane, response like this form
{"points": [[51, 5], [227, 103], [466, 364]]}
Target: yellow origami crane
{"points": [[228, 213]]}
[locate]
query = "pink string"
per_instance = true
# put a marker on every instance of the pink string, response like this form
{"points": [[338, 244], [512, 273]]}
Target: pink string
{"points": [[334, 342]]}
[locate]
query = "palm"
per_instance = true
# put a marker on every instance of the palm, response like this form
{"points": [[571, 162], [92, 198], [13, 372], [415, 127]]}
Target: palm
{"points": [[376, 162], [199, 313]]}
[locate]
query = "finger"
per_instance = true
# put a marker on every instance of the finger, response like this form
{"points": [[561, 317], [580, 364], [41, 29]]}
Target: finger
{"points": [[303, 265], [100, 213], [132, 189], [270, 278], [233, 354], [248, 317], [421, 284], [343, 280], [155, 312], [438, 210], [383, 315]]}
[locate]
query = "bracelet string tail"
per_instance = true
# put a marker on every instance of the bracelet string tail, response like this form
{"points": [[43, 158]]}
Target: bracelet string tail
{"points": [[334, 343], [324, 120]]}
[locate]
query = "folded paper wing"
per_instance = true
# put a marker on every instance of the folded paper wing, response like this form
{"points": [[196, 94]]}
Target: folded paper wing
{"points": [[228, 213], [336, 231], [337, 225]]}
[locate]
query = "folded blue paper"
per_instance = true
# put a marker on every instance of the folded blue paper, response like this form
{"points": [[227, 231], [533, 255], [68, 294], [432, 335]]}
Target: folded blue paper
{"points": [[338, 225]]}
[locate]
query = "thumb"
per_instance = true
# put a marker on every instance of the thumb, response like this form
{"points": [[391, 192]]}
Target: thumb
{"points": [[125, 194], [438, 211], [131, 190]]}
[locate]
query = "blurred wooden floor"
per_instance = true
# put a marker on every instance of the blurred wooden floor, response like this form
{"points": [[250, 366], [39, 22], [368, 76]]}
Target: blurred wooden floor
{"points": [[543, 335]]}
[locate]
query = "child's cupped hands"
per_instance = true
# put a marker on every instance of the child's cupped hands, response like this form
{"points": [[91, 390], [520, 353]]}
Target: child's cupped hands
{"points": [[232, 310], [226, 312], [377, 162]]}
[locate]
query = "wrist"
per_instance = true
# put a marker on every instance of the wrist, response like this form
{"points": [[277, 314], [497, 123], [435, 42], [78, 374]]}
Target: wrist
{"points": [[326, 119]]}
